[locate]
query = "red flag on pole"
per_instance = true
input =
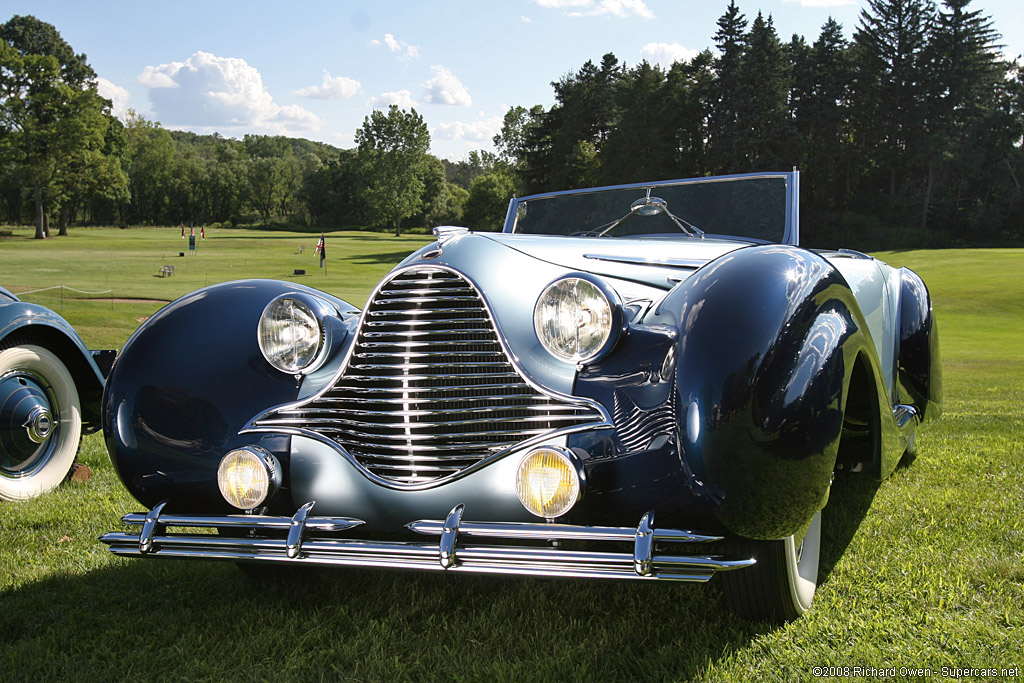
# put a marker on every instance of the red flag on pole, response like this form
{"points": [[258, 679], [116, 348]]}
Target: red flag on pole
{"points": [[202, 233], [182, 231]]}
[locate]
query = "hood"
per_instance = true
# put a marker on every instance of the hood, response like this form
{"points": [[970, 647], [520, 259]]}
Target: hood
{"points": [[659, 262]]}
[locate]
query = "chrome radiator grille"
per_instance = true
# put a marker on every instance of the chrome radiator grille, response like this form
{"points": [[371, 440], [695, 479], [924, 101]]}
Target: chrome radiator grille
{"points": [[428, 389]]}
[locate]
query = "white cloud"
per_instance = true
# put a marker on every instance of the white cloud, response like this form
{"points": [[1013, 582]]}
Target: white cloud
{"points": [[596, 8], [445, 88], [331, 88], [212, 93], [402, 98], [394, 45], [116, 94], [823, 3], [476, 132], [665, 54]]}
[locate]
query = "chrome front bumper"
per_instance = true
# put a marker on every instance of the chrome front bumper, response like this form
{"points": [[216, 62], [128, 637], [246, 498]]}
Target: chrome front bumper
{"points": [[304, 539]]}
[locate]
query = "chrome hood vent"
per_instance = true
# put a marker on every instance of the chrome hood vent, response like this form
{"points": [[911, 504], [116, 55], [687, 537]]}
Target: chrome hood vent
{"points": [[429, 391]]}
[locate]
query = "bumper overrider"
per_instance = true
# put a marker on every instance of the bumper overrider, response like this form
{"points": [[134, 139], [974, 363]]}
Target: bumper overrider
{"points": [[309, 540]]}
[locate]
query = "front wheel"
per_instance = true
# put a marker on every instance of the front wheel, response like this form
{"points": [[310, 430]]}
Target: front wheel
{"points": [[40, 422], [781, 585]]}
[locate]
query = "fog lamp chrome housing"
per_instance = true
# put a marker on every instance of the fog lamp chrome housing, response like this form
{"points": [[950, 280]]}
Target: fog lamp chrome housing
{"points": [[579, 318], [248, 477], [549, 481], [292, 334]]}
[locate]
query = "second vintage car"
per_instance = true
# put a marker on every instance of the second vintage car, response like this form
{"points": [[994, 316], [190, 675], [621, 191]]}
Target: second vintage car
{"points": [[621, 374], [50, 390]]}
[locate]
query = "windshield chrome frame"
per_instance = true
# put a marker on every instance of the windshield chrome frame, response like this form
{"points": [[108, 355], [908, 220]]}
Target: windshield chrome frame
{"points": [[792, 179]]}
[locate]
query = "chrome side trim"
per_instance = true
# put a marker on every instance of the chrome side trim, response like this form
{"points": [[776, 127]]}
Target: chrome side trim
{"points": [[305, 539], [903, 414]]}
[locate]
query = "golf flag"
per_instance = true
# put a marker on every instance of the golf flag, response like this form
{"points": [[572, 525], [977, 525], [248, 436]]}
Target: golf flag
{"points": [[321, 249], [182, 231], [202, 233]]}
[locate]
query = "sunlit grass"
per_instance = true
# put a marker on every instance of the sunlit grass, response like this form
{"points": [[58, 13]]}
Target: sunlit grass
{"points": [[926, 570]]}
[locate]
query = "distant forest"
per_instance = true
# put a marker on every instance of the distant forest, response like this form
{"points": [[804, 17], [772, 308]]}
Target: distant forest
{"points": [[908, 135]]}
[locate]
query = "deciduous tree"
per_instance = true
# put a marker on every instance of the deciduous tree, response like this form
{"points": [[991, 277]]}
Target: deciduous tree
{"points": [[393, 151]]}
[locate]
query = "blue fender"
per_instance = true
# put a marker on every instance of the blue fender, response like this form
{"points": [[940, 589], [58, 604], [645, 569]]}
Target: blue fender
{"points": [[186, 383], [769, 337], [26, 323], [919, 367]]}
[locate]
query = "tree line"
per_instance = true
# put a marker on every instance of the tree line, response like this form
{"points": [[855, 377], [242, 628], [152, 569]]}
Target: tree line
{"points": [[908, 134]]}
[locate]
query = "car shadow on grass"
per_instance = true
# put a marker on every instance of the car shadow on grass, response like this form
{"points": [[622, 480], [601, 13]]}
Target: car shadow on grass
{"points": [[153, 619], [848, 504]]}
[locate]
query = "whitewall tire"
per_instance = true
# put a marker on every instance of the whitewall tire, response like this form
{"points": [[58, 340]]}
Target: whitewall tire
{"points": [[40, 422], [781, 586]]}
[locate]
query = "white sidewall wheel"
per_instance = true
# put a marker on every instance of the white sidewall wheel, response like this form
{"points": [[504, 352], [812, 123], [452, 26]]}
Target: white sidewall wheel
{"points": [[802, 566], [57, 454], [781, 586]]}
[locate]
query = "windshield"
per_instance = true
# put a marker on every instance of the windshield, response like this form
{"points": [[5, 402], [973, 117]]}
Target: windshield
{"points": [[752, 206]]}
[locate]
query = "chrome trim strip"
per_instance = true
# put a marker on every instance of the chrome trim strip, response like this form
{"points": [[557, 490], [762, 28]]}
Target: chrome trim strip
{"points": [[305, 544], [687, 263], [903, 414], [322, 524], [560, 532]]}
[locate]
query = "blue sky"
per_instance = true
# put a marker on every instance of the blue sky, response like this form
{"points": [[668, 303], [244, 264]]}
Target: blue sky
{"points": [[316, 69]]}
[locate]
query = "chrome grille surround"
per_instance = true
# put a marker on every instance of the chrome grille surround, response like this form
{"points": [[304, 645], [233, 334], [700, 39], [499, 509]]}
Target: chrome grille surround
{"points": [[429, 391]]}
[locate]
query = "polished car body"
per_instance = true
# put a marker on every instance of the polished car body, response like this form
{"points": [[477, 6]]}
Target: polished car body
{"points": [[586, 394], [50, 390]]}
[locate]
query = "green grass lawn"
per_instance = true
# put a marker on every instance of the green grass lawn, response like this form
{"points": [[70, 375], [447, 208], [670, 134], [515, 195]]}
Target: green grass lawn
{"points": [[925, 570]]}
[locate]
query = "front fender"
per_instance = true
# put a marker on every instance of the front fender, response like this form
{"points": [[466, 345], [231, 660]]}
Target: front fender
{"points": [[185, 384], [768, 339]]}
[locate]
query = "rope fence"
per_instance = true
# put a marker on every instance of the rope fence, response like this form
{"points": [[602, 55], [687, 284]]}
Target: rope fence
{"points": [[63, 287]]}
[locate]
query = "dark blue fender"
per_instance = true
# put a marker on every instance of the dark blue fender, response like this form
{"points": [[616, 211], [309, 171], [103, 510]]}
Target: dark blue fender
{"points": [[765, 341], [919, 367], [184, 385], [26, 323]]}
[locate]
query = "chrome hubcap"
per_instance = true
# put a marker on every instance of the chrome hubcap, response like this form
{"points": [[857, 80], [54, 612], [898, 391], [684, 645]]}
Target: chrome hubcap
{"points": [[27, 423], [39, 425]]}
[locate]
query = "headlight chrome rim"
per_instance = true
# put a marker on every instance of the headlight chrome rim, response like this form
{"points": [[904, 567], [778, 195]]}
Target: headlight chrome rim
{"points": [[248, 477], [550, 481], [610, 318], [292, 333]]}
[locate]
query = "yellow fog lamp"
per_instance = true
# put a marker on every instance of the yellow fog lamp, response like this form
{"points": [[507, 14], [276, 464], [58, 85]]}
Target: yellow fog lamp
{"points": [[549, 482], [248, 477]]}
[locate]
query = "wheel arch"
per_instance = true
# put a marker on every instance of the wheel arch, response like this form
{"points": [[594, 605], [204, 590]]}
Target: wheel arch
{"points": [[771, 343], [72, 353]]}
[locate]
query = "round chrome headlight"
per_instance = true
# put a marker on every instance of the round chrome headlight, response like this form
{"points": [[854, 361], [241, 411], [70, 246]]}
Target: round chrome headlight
{"points": [[248, 477], [578, 319], [549, 482], [292, 334]]}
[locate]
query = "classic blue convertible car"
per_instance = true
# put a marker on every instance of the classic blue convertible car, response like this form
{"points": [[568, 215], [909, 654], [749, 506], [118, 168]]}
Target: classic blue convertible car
{"points": [[647, 382], [50, 389]]}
